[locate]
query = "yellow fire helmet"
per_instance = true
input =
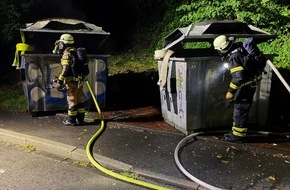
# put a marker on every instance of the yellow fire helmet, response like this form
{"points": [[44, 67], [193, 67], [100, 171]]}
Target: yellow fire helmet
{"points": [[66, 39], [221, 42]]}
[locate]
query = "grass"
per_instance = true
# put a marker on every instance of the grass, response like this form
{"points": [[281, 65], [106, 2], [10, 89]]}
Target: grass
{"points": [[129, 174], [125, 63], [13, 99]]}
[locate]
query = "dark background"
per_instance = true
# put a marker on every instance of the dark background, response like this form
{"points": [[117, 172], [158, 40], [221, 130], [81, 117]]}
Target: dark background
{"points": [[115, 17]]}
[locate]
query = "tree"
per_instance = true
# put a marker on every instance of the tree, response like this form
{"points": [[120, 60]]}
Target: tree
{"points": [[12, 14], [270, 15]]}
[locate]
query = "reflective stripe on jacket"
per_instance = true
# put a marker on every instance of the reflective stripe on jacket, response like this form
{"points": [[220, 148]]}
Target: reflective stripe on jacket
{"points": [[239, 74]]}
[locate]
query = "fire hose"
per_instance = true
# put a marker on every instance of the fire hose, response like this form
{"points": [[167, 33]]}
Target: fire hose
{"points": [[182, 169], [193, 136], [89, 152]]}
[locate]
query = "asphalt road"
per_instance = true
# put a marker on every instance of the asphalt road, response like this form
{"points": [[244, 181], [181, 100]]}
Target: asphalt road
{"points": [[22, 168]]}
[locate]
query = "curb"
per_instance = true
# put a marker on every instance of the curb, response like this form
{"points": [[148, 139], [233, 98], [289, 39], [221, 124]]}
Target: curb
{"points": [[78, 154], [59, 149]]}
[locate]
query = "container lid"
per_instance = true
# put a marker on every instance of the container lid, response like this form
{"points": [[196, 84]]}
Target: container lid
{"points": [[43, 34], [64, 25], [209, 30]]}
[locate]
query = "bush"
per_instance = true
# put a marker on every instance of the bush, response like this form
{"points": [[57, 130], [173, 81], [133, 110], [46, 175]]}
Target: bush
{"points": [[12, 99], [270, 15]]}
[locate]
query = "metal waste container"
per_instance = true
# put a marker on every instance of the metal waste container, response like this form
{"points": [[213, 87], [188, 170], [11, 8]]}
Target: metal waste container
{"points": [[193, 95], [39, 66]]}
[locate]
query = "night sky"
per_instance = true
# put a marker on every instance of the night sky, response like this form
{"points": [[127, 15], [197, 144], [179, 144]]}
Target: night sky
{"points": [[113, 15]]}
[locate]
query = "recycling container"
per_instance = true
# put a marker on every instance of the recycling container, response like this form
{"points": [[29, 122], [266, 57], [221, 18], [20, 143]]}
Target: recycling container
{"points": [[39, 72], [193, 97], [39, 67]]}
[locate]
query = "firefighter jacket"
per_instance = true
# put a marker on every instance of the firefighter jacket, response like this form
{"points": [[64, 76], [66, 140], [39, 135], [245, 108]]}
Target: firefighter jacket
{"points": [[66, 61], [239, 74]]}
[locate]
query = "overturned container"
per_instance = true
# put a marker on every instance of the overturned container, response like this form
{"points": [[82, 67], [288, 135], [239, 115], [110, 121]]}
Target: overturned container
{"points": [[39, 66], [193, 80]]}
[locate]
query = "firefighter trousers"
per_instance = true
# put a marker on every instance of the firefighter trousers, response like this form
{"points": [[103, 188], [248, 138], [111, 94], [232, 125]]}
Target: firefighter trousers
{"points": [[75, 98], [241, 111]]}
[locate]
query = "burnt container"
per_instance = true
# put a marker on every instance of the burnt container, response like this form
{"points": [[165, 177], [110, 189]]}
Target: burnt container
{"points": [[193, 97]]}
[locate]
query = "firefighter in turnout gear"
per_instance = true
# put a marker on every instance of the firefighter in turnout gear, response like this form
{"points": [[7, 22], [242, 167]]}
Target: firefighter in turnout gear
{"points": [[75, 96], [238, 93]]}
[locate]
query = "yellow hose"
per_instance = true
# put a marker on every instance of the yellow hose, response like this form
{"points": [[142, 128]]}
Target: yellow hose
{"points": [[89, 152], [21, 47]]}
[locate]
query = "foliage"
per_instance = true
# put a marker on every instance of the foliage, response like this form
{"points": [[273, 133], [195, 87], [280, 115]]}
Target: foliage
{"points": [[196, 45], [129, 62], [151, 21], [12, 99], [12, 13], [267, 14], [282, 44], [154, 19], [270, 15], [129, 174]]}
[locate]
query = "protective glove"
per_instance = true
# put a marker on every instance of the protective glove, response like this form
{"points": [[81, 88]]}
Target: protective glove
{"points": [[230, 96]]}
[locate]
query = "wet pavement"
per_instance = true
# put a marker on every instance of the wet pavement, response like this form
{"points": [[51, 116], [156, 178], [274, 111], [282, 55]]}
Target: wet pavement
{"points": [[147, 147], [237, 166]]}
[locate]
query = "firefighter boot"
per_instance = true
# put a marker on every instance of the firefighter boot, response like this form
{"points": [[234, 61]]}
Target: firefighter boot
{"points": [[230, 137], [70, 121], [80, 119]]}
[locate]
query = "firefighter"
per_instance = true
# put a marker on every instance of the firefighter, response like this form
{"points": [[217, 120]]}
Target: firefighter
{"points": [[75, 96], [238, 93]]}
